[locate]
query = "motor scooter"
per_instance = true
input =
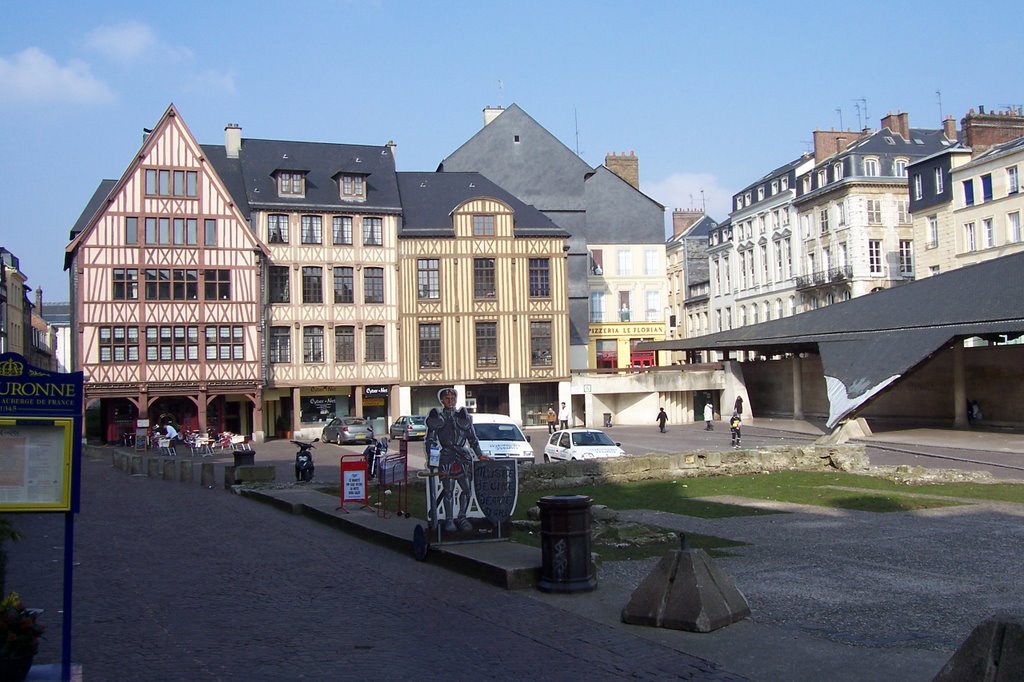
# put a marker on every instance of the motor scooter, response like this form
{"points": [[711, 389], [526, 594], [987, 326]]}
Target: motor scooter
{"points": [[374, 453], [304, 460]]}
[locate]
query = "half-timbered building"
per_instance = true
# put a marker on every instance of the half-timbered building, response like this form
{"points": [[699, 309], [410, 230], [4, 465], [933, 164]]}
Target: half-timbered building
{"points": [[483, 297], [328, 215], [166, 289]]}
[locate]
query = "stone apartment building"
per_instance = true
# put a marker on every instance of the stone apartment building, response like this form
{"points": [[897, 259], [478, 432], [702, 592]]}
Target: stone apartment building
{"points": [[966, 201]]}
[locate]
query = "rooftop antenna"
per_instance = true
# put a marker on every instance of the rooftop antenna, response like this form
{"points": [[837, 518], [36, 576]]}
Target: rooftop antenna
{"points": [[938, 96], [839, 111], [576, 121], [703, 206], [501, 94], [864, 105], [856, 107], [1014, 108], [808, 146]]}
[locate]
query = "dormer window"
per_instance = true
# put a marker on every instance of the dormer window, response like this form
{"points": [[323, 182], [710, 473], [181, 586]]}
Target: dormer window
{"points": [[353, 187], [291, 184]]}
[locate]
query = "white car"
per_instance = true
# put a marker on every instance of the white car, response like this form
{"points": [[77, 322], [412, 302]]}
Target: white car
{"points": [[575, 444]]}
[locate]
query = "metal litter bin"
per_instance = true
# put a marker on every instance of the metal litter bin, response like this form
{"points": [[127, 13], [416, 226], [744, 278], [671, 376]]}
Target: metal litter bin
{"points": [[566, 565]]}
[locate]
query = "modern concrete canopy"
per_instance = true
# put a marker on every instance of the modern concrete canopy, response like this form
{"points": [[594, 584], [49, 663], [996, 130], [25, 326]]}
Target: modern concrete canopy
{"points": [[868, 343]]}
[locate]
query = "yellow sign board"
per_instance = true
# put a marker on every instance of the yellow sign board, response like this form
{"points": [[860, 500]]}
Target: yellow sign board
{"points": [[35, 463]]}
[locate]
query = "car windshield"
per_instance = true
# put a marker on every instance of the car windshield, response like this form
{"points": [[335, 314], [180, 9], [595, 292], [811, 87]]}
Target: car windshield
{"points": [[498, 432], [591, 438]]}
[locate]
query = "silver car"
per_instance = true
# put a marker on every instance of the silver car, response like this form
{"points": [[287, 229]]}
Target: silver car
{"points": [[409, 427], [347, 430]]}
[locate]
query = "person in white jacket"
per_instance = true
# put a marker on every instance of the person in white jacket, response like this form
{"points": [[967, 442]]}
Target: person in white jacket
{"points": [[709, 416]]}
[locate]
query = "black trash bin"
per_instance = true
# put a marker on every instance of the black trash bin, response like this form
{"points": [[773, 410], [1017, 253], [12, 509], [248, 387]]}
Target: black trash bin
{"points": [[244, 457], [607, 420], [566, 565]]}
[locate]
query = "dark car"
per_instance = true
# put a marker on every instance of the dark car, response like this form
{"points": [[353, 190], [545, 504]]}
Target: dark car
{"points": [[347, 430], [409, 427]]}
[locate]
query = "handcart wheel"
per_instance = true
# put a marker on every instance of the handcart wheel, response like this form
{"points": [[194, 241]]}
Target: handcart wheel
{"points": [[419, 542]]}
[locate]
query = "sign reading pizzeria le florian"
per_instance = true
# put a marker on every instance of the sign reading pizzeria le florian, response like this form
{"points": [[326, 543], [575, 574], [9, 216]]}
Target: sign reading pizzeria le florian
{"points": [[40, 437]]}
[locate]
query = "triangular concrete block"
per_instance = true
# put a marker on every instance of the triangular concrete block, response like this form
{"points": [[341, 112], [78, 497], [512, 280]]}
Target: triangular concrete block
{"points": [[993, 651], [686, 591]]}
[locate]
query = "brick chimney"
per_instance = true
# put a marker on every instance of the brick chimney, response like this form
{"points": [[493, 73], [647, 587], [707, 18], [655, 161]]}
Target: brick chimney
{"points": [[949, 128], [898, 123], [831, 142], [682, 219], [625, 166], [392, 147], [39, 301], [983, 130], [232, 140]]}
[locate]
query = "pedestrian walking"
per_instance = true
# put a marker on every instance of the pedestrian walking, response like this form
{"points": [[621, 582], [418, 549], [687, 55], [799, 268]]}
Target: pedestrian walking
{"points": [[709, 416], [735, 424], [552, 420], [662, 419], [563, 416], [738, 405]]}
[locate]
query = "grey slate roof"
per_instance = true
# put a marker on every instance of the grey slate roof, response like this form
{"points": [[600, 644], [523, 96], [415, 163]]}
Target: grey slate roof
{"points": [[428, 200], [868, 342], [618, 213], [95, 202], [699, 230], [253, 174], [537, 168]]}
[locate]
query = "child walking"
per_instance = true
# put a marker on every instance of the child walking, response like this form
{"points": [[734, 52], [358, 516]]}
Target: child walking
{"points": [[735, 423]]}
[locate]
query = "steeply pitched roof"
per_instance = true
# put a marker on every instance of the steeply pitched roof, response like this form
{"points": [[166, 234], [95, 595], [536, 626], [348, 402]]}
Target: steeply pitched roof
{"points": [[613, 204], [520, 155], [428, 200], [254, 174], [868, 342], [95, 203]]}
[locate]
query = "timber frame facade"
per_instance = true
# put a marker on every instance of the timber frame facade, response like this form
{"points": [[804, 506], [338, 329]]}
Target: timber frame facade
{"points": [[166, 289], [328, 214], [483, 298]]}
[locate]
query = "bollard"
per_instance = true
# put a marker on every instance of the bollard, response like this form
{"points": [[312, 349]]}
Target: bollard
{"points": [[206, 474], [566, 564], [136, 465], [185, 471], [153, 467], [169, 469]]}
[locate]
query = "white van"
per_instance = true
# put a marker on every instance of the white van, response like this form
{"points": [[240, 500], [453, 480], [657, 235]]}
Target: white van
{"points": [[500, 437]]}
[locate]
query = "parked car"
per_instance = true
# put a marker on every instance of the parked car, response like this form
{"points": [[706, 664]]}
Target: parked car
{"points": [[501, 438], [573, 444], [409, 427], [347, 430]]}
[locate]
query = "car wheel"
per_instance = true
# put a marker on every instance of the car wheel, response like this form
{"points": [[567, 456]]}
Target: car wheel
{"points": [[337, 441]]}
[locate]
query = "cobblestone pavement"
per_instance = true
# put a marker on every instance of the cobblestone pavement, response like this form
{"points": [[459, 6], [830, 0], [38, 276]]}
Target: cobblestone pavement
{"points": [[178, 582]]}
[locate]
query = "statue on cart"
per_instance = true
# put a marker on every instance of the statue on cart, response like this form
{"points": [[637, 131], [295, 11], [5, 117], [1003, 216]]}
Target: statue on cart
{"points": [[451, 432]]}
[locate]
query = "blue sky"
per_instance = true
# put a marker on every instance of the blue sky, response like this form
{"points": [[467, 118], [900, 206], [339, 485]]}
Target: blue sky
{"points": [[710, 95]]}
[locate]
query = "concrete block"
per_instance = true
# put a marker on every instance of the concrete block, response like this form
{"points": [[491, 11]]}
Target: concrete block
{"points": [[169, 469], [993, 651], [255, 473], [136, 464], [229, 476], [686, 591], [153, 467]]}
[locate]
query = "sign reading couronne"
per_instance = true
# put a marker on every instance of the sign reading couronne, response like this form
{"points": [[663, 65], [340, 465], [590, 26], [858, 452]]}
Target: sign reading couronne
{"points": [[40, 437]]}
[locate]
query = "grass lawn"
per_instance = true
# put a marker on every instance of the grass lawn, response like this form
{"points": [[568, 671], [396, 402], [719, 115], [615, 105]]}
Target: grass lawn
{"points": [[835, 490]]}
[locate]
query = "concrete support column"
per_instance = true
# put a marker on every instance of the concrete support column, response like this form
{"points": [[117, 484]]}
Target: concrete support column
{"points": [[296, 412], [959, 387], [798, 388], [404, 400], [201, 406], [515, 402], [593, 420]]}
